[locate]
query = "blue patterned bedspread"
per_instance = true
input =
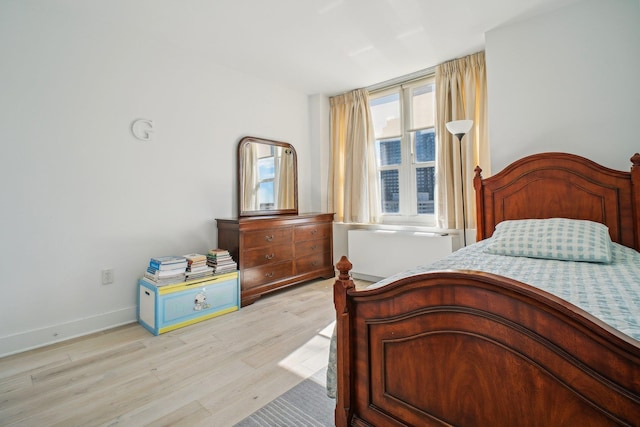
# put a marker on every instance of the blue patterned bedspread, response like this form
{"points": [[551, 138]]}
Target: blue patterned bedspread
{"points": [[610, 292]]}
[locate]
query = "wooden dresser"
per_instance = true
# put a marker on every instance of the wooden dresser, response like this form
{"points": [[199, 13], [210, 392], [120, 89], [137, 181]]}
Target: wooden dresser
{"points": [[277, 251]]}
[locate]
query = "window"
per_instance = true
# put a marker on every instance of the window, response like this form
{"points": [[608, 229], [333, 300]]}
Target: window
{"points": [[404, 119], [266, 176]]}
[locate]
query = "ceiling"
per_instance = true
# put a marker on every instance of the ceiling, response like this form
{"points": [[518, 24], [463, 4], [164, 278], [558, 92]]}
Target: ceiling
{"points": [[323, 46]]}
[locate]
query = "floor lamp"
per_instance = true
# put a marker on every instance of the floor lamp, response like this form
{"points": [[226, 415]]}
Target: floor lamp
{"points": [[460, 128]]}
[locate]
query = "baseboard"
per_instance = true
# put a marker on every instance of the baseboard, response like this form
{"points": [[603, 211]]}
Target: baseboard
{"points": [[36, 338]]}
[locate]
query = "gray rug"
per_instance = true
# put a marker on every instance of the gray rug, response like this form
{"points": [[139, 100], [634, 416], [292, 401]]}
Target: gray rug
{"points": [[306, 404]]}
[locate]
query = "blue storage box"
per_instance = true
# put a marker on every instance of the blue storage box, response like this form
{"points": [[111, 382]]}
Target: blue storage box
{"points": [[165, 308]]}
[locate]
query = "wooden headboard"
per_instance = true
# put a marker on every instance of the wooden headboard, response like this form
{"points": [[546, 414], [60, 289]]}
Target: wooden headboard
{"points": [[561, 185]]}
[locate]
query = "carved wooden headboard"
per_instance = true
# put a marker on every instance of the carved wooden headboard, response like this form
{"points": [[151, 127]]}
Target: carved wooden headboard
{"points": [[561, 185]]}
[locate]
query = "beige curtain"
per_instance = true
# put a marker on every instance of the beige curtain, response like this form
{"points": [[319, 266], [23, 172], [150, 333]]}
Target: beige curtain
{"points": [[353, 173], [461, 94], [250, 177], [284, 181]]}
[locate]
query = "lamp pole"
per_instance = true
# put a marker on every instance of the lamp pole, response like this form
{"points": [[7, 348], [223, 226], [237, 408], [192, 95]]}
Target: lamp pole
{"points": [[460, 128], [464, 213]]}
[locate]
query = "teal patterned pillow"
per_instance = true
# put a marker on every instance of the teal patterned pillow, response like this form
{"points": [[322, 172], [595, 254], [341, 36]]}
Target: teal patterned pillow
{"points": [[553, 238]]}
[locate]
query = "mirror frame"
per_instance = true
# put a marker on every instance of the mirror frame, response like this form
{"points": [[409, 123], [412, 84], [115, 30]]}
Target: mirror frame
{"points": [[242, 212]]}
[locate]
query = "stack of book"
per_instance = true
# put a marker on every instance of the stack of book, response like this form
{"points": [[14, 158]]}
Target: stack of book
{"points": [[221, 261], [166, 270], [197, 266]]}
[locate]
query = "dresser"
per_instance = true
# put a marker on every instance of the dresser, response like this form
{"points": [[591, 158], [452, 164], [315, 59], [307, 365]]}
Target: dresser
{"points": [[277, 251]]}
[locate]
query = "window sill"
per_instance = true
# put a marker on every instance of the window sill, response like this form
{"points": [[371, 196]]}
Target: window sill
{"points": [[398, 227]]}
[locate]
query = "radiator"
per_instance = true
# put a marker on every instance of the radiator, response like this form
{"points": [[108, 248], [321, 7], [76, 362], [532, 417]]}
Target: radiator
{"points": [[376, 254]]}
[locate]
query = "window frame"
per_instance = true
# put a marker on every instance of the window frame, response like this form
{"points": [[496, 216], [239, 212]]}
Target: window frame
{"points": [[407, 170]]}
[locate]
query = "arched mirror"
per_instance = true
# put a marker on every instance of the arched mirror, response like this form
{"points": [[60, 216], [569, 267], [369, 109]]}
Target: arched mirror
{"points": [[268, 177]]}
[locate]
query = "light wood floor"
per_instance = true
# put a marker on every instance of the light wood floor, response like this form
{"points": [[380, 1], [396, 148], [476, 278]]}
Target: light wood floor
{"points": [[213, 373]]}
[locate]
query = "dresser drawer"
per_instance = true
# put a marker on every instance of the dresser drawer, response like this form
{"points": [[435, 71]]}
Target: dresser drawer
{"points": [[312, 231], [267, 255], [313, 262], [258, 276], [310, 247], [267, 237]]}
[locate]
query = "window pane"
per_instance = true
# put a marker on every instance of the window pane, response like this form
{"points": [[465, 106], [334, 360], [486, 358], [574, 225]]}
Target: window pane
{"points": [[385, 113], [390, 191], [425, 180], [265, 195], [422, 107], [425, 145], [266, 168], [389, 152]]}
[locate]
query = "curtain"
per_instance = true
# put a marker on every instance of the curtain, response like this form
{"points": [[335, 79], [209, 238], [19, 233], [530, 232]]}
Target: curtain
{"points": [[461, 94], [353, 174], [250, 178], [284, 181]]}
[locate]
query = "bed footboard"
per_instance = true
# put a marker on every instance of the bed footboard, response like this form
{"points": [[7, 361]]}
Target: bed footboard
{"points": [[468, 348]]}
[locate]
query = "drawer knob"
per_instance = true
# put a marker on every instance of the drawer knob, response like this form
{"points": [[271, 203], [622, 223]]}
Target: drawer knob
{"points": [[314, 231], [269, 275], [268, 238], [269, 256], [314, 247], [314, 263]]}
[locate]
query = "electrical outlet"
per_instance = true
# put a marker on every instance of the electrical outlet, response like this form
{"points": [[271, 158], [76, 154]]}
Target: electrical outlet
{"points": [[107, 276]]}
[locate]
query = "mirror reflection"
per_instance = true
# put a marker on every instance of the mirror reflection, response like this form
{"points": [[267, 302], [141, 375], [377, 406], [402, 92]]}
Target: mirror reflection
{"points": [[268, 177]]}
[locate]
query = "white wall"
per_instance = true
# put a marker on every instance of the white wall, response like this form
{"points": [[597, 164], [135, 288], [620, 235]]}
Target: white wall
{"points": [[320, 148], [80, 194], [567, 81]]}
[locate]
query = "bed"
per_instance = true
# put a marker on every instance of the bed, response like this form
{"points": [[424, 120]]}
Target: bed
{"points": [[466, 347]]}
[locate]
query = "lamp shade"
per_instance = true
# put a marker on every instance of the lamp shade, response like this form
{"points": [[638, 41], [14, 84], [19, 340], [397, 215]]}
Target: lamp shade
{"points": [[459, 126]]}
